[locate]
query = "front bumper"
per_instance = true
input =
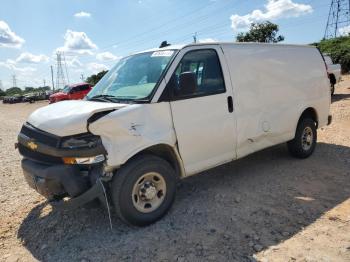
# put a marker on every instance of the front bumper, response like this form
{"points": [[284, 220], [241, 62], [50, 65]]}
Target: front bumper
{"points": [[54, 180], [58, 181]]}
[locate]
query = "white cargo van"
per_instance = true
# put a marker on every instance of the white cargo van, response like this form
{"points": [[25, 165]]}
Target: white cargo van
{"points": [[173, 112]]}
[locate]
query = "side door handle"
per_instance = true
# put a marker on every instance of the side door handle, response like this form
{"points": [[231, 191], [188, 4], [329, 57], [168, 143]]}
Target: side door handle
{"points": [[230, 104]]}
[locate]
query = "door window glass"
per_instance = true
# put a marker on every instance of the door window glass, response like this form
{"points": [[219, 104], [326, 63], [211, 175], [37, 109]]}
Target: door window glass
{"points": [[205, 65]]}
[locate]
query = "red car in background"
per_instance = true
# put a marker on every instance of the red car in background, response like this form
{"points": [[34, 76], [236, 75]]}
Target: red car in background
{"points": [[71, 92]]}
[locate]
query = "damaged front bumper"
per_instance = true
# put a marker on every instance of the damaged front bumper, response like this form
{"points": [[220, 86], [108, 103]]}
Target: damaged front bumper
{"points": [[60, 167], [58, 181]]}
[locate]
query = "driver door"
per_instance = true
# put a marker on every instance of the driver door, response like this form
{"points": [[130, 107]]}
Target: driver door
{"points": [[203, 115]]}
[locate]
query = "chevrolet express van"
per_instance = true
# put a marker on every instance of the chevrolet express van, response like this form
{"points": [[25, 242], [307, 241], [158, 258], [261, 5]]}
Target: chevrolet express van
{"points": [[168, 113]]}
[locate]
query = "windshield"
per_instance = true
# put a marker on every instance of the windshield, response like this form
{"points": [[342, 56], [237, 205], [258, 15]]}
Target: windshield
{"points": [[133, 77], [66, 89]]}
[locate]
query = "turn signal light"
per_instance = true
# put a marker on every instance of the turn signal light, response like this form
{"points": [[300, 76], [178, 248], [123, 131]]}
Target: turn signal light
{"points": [[69, 160], [83, 160]]}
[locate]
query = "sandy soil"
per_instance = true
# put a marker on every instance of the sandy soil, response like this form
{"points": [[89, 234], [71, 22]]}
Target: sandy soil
{"points": [[267, 207]]}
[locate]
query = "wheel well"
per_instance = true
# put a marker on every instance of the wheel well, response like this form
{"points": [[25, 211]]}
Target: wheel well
{"points": [[310, 113], [167, 153]]}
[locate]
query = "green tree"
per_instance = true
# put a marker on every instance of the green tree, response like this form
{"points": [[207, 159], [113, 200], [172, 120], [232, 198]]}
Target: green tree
{"points": [[265, 32], [28, 89], [13, 91], [2, 93], [338, 49], [93, 79]]}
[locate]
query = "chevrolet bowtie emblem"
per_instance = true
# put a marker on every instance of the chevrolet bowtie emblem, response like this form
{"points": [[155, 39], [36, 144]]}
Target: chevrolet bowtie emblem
{"points": [[32, 145]]}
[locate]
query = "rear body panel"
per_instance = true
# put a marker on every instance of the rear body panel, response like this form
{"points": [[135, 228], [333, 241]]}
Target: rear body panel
{"points": [[273, 85]]}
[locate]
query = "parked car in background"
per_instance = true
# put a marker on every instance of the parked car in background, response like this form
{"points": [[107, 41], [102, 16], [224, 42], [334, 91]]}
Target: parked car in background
{"points": [[334, 72], [13, 99], [71, 92], [35, 96]]}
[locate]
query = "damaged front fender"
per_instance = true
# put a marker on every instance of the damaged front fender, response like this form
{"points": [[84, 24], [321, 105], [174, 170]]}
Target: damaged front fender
{"points": [[129, 130]]}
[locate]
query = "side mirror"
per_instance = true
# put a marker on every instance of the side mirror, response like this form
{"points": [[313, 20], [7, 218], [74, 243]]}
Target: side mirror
{"points": [[187, 83]]}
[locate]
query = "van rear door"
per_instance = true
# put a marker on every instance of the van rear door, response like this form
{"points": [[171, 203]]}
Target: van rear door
{"points": [[203, 114]]}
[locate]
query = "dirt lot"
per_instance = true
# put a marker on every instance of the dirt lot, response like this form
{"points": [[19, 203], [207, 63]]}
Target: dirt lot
{"points": [[267, 207]]}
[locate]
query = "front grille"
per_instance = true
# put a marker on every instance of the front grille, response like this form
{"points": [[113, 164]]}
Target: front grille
{"points": [[40, 136], [36, 156]]}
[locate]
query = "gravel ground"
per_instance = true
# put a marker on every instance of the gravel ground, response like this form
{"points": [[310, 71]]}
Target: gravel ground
{"points": [[266, 207]]}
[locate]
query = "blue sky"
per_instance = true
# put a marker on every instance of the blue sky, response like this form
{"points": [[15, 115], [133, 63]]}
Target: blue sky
{"points": [[93, 34]]}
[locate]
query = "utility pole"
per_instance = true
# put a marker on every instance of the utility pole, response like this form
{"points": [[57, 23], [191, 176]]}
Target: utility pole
{"points": [[44, 82], [82, 77], [195, 37], [338, 18], [65, 65], [53, 85], [14, 81]]}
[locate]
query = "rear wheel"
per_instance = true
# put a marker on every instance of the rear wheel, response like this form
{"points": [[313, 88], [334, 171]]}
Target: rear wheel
{"points": [[304, 142], [143, 190]]}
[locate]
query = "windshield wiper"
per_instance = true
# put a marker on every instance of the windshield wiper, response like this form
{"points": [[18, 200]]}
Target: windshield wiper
{"points": [[103, 98]]}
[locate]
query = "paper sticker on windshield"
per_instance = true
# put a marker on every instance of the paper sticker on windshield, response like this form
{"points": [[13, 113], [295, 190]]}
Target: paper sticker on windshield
{"points": [[163, 53]]}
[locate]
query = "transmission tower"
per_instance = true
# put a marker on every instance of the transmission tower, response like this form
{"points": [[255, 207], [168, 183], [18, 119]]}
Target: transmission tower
{"points": [[60, 76], [338, 18], [14, 81]]}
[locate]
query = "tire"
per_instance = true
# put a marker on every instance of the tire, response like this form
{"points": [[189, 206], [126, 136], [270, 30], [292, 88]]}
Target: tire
{"points": [[144, 175], [332, 89], [304, 142]]}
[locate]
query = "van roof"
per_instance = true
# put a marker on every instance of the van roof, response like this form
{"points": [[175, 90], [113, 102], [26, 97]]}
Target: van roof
{"points": [[250, 44], [180, 46]]}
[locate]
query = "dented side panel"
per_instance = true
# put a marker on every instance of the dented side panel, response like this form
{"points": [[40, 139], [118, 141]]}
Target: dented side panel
{"points": [[129, 130]]}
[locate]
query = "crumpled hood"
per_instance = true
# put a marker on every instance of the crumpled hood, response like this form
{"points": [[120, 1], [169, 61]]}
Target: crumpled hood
{"points": [[68, 117]]}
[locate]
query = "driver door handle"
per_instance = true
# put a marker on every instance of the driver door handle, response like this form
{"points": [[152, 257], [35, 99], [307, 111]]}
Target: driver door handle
{"points": [[230, 104]]}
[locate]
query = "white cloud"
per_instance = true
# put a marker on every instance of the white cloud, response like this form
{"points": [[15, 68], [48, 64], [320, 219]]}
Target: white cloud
{"points": [[96, 67], [73, 62], [344, 31], [11, 65], [8, 38], [207, 40], [82, 14], [27, 57], [77, 42], [275, 9], [106, 56]]}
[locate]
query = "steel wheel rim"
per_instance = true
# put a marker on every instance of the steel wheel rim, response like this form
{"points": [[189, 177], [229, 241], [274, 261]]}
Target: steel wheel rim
{"points": [[307, 138], [149, 192]]}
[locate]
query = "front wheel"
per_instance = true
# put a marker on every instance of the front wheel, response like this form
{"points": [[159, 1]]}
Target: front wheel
{"points": [[304, 142], [332, 89], [143, 190]]}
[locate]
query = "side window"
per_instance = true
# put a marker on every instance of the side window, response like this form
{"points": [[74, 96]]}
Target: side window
{"points": [[84, 87], [204, 66], [74, 90]]}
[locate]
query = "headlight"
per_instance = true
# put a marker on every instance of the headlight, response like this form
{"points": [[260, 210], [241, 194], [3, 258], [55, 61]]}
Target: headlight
{"points": [[84, 160], [81, 141]]}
